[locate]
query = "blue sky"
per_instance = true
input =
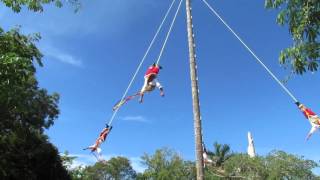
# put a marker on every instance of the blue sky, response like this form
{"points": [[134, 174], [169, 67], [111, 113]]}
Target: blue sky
{"points": [[90, 57]]}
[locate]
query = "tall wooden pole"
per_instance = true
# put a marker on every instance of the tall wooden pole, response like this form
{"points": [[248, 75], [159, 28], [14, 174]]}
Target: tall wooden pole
{"points": [[195, 94]]}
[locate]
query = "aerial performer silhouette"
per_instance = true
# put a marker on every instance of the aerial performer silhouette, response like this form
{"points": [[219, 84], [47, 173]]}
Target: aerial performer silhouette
{"points": [[95, 148], [312, 117], [150, 83]]}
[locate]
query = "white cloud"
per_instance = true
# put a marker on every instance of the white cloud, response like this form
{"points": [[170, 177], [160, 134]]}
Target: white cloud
{"points": [[77, 163], [62, 56], [68, 59], [137, 165], [82, 160], [135, 119]]}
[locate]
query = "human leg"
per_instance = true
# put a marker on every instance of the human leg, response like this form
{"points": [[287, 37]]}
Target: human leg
{"points": [[143, 89], [314, 120], [158, 85]]}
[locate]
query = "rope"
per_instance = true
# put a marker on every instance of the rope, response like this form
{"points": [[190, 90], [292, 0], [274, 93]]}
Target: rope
{"points": [[254, 55], [169, 32], [142, 60]]}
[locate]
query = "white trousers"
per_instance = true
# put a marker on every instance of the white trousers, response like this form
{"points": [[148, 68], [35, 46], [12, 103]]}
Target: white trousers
{"points": [[314, 119], [151, 85]]}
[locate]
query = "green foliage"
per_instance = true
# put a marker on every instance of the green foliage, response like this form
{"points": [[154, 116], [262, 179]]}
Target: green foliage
{"points": [[243, 165], [303, 20], [166, 164], [37, 5], [288, 166], [27, 154], [75, 172], [214, 173], [118, 168], [21, 100], [67, 160], [276, 165], [220, 153], [25, 111]]}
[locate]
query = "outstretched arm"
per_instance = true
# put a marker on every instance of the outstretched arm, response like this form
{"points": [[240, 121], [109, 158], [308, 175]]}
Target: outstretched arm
{"points": [[141, 98]]}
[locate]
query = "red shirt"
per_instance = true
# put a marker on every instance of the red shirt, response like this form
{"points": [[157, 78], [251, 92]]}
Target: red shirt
{"points": [[152, 70], [308, 113], [104, 134]]}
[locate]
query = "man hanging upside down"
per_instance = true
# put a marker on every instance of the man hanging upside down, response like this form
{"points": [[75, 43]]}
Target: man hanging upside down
{"points": [[150, 81], [102, 137], [206, 159], [312, 117]]}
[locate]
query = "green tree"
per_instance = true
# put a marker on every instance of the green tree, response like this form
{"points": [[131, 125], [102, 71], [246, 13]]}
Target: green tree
{"points": [[303, 20], [37, 5], [276, 165], [167, 164], [241, 165], [118, 168], [68, 161], [25, 111], [220, 153], [281, 165], [22, 102]]}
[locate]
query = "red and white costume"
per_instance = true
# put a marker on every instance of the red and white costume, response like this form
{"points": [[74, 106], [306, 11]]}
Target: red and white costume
{"points": [[104, 134], [150, 79], [152, 70], [313, 119], [96, 146]]}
